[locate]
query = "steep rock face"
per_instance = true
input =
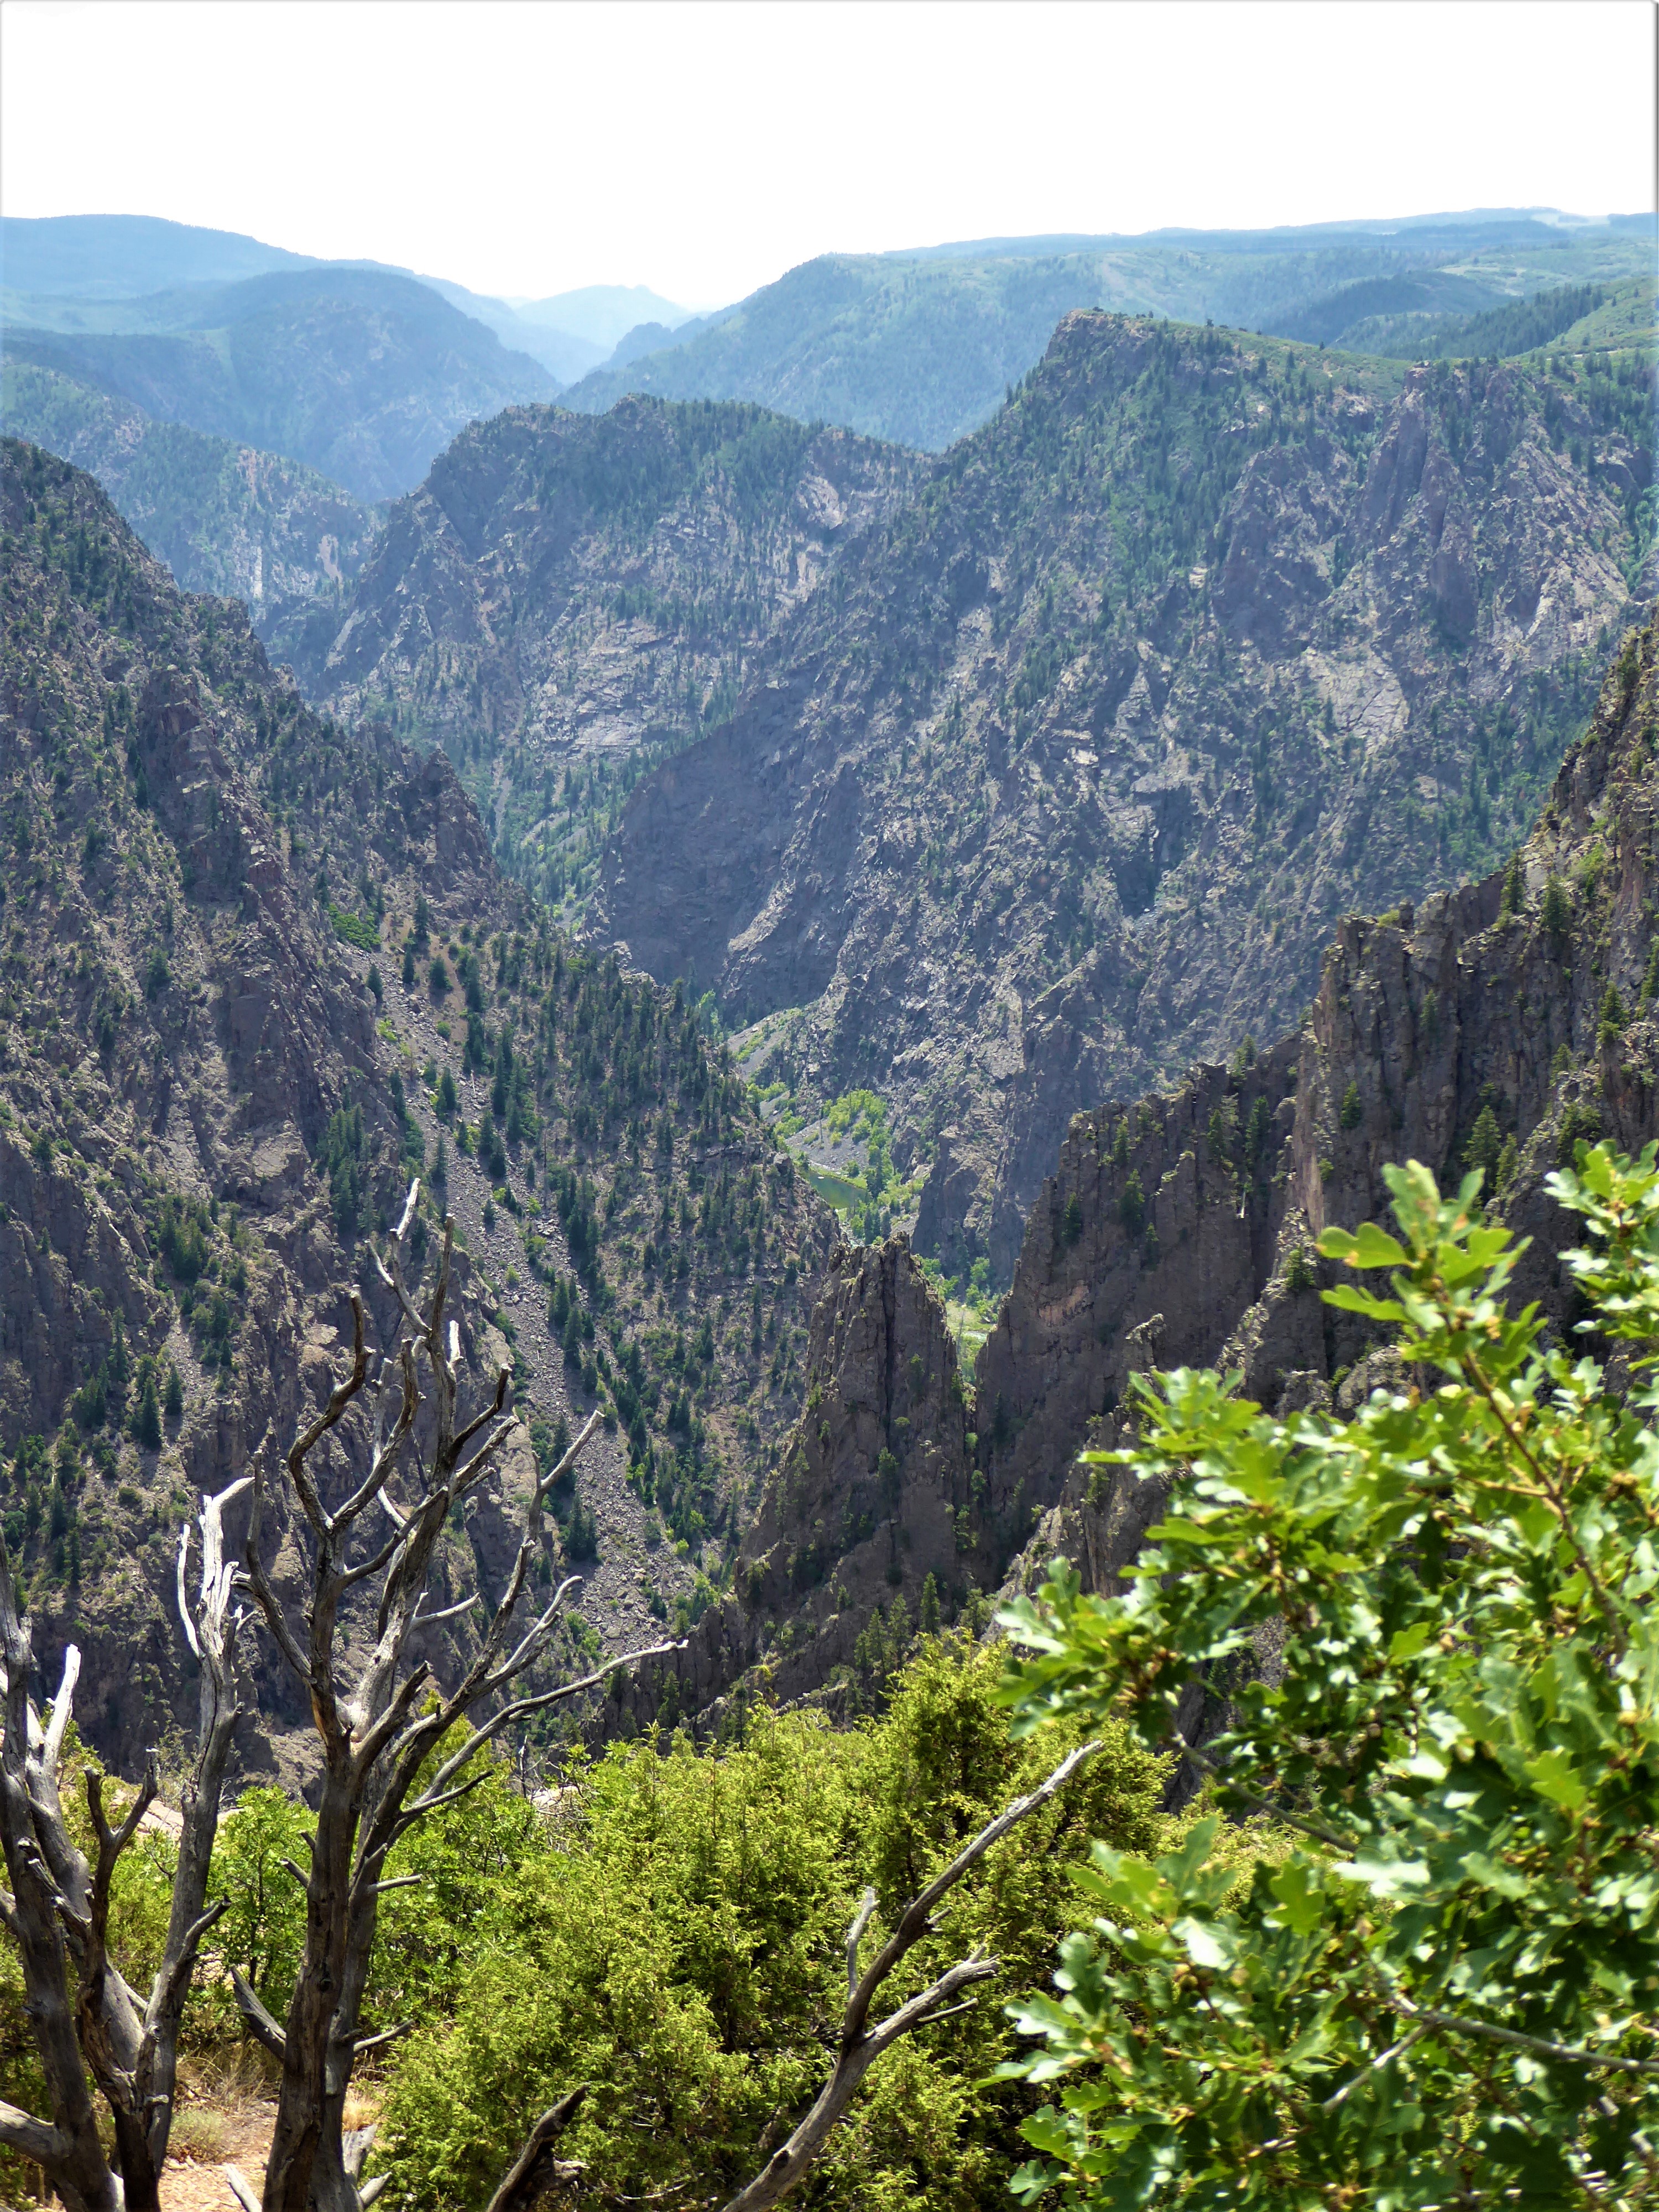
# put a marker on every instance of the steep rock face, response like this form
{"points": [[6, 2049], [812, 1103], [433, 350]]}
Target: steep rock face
{"points": [[211, 1097], [1198, 644], [1180, 1229], [1423, 1021], [565, 591], [225, 518], [865, 1504]]}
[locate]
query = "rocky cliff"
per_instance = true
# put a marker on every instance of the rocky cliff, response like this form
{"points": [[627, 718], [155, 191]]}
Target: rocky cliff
{"points": [[225, 518], [1199, 643], [221, 1063], [1490, 1025], [566, 599]]}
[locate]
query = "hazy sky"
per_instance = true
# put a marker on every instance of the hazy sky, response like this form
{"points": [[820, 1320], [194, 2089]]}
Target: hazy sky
{"points": [[704, 149]]}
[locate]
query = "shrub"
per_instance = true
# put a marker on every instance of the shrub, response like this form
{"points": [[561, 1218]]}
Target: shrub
{"points": [[1435, 1988], [676, 1936]]}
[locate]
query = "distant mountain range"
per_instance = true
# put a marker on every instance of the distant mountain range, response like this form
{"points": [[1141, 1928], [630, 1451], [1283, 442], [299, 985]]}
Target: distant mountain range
{"points": [[57, 270], [922, 347]]}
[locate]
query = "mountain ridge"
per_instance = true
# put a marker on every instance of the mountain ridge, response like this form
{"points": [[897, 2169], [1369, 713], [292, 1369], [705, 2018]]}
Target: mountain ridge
{"points": [[1153, 676]]}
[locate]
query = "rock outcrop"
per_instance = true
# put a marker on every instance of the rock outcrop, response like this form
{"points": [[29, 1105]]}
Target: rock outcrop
{"points": [[221, 1066], [1199, 643], [1494, 1025]]}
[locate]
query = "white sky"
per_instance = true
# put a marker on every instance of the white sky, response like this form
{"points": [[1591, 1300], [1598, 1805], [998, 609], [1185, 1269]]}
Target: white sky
{"points": [[703, 148]]}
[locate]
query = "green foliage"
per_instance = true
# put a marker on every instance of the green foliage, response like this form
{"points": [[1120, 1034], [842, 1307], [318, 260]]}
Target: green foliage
{"points": [[1351, 1112], [183, 1228], [1443, 1992], [1610, 1023], [352, 929], [1515, 888], [1485, 1146], [1132, 1205], [1556, 912], [147, 1414], [262, 1933], [342, 1159], [674, 1934]]}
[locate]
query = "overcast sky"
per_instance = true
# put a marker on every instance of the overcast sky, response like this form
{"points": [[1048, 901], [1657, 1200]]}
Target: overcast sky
{"points": [[704, 149]]}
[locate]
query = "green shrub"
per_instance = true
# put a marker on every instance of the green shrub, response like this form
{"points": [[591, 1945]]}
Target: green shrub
{"points": [[675, 1935], [352, 929], [1440, 1989]]}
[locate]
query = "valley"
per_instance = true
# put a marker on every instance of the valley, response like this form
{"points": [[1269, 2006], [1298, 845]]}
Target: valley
{"points": [[870, 871]]}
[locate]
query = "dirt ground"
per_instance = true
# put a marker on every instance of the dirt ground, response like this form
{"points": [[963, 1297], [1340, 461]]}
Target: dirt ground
{"points": [[193, 2178]]}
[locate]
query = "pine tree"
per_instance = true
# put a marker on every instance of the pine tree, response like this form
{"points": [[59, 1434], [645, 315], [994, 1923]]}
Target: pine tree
{"points": [[1611, 1026], [173, 1404], [1515, 888], [1556, 913], [1485, 1146], [147, 1417]]}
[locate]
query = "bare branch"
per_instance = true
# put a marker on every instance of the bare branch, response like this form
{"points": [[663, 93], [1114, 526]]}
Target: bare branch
{"points": [[392, 2034], [385, 1455], [261, 2027], [855, 1935], [63, 1704], [237, 2182], [859, 2046], [423, 1619], [34, 2139], [531, 2171], [913, 1921], [588, 1429], [340, 1398]]}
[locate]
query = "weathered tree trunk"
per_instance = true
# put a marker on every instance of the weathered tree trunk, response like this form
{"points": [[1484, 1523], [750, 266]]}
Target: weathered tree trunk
{"points": [[66, 2149], [60, 1906], [375, 1742]]}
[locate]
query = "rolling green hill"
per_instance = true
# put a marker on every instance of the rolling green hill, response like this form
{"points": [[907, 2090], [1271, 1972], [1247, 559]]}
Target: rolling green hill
{"points": [[922, 349]]}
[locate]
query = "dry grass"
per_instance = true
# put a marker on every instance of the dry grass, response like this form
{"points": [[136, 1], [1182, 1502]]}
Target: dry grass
{"points": [[199, 2132], [234, 2077], [363, 2108]]}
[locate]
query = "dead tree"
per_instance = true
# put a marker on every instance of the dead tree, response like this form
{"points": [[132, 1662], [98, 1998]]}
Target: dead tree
{"points": [[380, 1718], [86, 2017]]}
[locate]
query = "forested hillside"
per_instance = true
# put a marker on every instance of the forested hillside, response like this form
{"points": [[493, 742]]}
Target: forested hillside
{"points": [[921, 348], [1200, 643], [360, 374], [225, 518], [567, 599], [259, 971]]}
